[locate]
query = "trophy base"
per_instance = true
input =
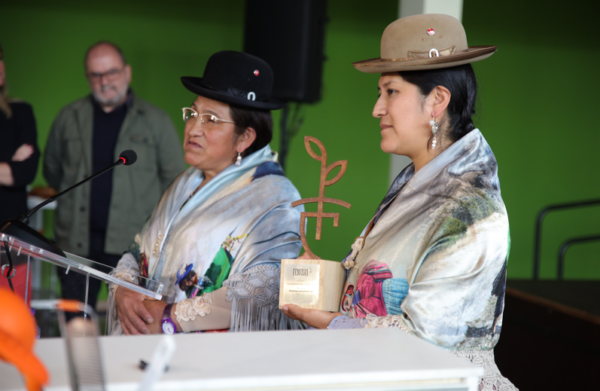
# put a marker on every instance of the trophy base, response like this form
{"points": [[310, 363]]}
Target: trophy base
{"points": [[312, 283]]}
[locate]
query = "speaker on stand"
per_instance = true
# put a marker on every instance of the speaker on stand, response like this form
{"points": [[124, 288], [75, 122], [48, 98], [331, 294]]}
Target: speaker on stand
{"points": [[290, 36]]}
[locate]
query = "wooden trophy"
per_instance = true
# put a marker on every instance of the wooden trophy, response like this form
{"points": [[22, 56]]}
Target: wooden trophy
{"points": [[315, 283]]}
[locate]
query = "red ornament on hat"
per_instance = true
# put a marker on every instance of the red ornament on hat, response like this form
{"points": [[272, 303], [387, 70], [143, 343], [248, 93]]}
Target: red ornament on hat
{"points": [[430, 31], [256, 72]]}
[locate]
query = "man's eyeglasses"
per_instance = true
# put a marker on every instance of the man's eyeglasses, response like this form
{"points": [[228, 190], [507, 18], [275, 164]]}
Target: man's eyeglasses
{"points": [[208, 121], [108, 75]]}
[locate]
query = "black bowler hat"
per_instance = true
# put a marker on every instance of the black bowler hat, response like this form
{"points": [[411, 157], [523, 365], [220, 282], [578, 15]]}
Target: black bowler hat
{"points": [[236, 78]]}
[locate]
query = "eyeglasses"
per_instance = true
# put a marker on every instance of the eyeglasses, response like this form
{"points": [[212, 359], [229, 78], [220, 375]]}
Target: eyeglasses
{"points": [[109, 75], [208, 121]]}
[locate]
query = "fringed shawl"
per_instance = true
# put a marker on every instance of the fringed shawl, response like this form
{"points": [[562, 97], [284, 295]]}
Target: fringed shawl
{"points": [[242, 219]]}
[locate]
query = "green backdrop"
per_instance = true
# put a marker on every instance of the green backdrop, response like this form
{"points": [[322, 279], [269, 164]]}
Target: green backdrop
{"points": [[537, 99]]}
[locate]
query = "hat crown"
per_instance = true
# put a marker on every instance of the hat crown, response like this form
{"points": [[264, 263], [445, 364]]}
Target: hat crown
{"points": [[236, 78], [415, 36], [229, 71]]}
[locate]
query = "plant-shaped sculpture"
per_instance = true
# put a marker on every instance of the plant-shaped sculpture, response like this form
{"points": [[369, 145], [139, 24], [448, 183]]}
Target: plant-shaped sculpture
{"points": [[319, 214]]}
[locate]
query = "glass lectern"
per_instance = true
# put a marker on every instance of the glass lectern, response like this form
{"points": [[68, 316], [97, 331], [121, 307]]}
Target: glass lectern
{"points": [[23, 256]]}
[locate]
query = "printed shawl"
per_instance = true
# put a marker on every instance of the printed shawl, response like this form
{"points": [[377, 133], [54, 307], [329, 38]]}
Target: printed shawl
{"points": [[436, 257], [233, 232]]}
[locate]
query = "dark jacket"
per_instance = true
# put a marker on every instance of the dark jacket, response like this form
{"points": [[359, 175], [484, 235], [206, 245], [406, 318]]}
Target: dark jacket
{"points": [[15, 131], [136, 189]]}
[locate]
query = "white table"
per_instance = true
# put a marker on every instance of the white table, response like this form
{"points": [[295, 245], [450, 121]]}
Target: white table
{"points": [[380, 359]]}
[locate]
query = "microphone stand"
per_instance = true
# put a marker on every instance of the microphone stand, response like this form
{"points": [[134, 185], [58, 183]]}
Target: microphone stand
{"points": [[18, 227], [25, 218]]}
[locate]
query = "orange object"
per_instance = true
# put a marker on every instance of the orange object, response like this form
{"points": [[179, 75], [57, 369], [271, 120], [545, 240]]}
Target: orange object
{"points": [[68, 305], [43, 192], [18, 331]]}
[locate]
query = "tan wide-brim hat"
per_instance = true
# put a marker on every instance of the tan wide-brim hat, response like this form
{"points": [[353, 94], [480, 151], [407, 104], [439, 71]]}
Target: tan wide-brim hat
{"points": [[420, 42]]}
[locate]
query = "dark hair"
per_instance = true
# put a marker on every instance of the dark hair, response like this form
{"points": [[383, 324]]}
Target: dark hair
{"points": [[461, 83], [100, 43], [260, 120]]}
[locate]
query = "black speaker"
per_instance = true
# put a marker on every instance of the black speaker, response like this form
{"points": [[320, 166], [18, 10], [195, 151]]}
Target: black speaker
{"points": [[290, 36]]}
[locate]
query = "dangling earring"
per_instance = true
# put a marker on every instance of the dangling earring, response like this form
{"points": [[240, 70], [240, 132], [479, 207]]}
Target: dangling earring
{"points": [[434, 128], [238, 162]]}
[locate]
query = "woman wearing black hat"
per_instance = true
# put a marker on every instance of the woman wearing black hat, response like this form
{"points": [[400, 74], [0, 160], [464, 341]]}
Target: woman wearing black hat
{"points": [[217, 236], [432, 261]]}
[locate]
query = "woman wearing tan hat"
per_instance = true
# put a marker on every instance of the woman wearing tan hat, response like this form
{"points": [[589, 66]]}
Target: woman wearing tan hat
{"points": [[432, 261], [217, 236]]}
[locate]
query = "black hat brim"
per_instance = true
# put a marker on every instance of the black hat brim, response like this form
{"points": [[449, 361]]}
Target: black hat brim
{"points": [[194, 84]]}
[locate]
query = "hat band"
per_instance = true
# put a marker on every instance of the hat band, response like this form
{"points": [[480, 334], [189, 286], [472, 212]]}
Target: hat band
{"points": [[246, 95], [250, 95], [421, 55]]}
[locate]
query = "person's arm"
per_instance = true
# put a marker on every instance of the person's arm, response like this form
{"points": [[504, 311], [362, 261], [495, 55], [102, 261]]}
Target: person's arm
{"points": [[456, 298], [131, 311], [192, 315], [6, 178], [23, 153], [214, 310], [210, 311], [457, 293], [317, 319], [170, 153], [53, 154], [21, 170]]}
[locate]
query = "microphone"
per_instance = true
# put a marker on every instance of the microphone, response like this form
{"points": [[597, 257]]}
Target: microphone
{"points": [[128, 157], [18, 227]]}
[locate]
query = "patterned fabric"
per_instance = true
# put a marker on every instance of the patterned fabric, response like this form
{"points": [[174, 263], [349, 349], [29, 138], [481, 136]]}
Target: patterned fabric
{"points": [[445, 230], [368, 296], [442, 233], [394, 290], [187, 310], [238, 221], [255, 296]]}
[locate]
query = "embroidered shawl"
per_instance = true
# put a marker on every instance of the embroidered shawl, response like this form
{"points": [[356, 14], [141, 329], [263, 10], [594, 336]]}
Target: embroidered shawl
{"points": [[234, 232], [436, 257]]}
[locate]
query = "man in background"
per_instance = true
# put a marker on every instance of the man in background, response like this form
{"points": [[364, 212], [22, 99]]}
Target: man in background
{"points": [[99, 219]]}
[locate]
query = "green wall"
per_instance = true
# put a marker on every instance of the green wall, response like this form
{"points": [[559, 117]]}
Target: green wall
{"points": [[537, 100], [538, 107]]}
